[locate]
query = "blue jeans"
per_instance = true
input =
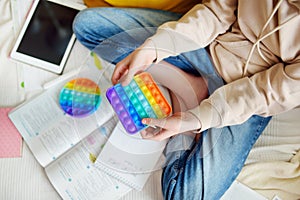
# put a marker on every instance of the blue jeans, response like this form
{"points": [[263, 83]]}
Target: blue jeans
{"points": [[208, 169]]}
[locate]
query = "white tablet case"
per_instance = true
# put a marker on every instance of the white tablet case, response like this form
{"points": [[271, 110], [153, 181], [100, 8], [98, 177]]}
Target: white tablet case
{"points": [[34, 36]]}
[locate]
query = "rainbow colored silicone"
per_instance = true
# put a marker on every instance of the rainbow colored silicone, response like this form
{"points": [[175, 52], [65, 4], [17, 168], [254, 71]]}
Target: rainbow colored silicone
{"points": [[141, 98], [80, 97]]}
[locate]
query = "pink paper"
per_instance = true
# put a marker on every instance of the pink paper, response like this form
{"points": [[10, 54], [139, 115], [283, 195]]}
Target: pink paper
{"points": [[10, 138]]}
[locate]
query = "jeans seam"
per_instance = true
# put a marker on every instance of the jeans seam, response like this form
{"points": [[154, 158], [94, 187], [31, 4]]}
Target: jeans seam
{"points": [[194, 150]]}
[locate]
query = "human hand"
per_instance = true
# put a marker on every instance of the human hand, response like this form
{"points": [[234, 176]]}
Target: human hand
{"points": [[180, 122], [139, 60]]}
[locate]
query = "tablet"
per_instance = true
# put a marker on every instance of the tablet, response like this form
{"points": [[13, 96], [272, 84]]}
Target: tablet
{"points": [[46, 38]]}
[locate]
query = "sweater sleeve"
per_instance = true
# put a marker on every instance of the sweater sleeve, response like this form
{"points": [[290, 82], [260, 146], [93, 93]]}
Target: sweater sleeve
{"points": [[265, 93], [196, 29]]}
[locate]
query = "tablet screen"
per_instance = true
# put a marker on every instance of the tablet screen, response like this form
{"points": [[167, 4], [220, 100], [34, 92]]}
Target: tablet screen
{"points": [[49, 32]]}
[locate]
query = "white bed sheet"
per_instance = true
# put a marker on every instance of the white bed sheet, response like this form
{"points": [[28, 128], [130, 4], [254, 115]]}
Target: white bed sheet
{"points": [[23, 178]]}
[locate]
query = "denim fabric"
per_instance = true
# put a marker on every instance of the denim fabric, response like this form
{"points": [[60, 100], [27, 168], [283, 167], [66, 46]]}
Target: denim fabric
{"points": [[209, 168], [113, 33], [211, 165], [93, 26]]}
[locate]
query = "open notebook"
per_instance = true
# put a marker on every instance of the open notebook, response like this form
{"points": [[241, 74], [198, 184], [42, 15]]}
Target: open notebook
{"points": [[67, 146], [129, 158]]}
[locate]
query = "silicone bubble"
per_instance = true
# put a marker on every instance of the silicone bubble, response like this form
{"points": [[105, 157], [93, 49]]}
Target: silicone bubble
{"points": [[80, 97], [141, 98]]}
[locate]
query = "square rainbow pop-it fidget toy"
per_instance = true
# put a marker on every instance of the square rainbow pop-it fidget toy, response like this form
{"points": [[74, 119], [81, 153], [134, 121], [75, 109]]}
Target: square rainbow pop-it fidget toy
{"points": [[141, 98]]}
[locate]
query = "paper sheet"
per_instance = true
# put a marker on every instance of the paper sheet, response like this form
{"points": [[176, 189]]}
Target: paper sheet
{"points": [[10, 139], [239, 191]]}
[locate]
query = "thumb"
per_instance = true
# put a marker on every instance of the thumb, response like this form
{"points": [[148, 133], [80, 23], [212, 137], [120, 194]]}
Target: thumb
{"points": [[155, 122]]}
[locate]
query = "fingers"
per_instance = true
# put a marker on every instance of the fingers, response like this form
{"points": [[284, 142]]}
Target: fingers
{"points": [[172, 125], [135, 62], [129, 76], [120, 70], [159, 135], [150, 132], [155, 122], [162, 130], [125, 71]]}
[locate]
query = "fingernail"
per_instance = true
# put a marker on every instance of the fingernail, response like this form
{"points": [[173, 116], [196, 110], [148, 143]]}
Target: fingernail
{"points": [[145, 121]]}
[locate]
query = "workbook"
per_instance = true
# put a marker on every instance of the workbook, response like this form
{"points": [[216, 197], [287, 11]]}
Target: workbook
{"points": [[130, 159], [74, 150]]}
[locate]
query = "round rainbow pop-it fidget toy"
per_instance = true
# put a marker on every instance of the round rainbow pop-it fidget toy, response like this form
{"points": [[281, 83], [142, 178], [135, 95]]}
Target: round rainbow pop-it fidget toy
{"points": [[80, 97], [141, 98]]}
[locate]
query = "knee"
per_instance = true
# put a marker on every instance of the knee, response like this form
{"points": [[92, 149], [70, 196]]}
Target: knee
{"points": [[93, 18], [80, 21], [92, 26]]}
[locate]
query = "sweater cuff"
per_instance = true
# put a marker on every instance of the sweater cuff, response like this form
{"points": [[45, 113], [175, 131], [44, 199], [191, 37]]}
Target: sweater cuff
{"points": [[207, 115]]}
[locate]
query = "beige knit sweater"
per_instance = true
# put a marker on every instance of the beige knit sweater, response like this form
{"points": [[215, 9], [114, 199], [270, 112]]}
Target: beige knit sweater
{"points": [[255, 46], [273, 165]]}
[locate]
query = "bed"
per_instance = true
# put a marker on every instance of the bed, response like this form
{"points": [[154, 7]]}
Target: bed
{"points": [[272, 168]]}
